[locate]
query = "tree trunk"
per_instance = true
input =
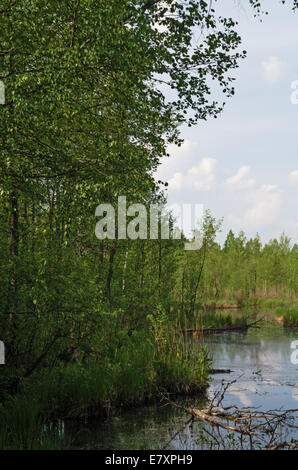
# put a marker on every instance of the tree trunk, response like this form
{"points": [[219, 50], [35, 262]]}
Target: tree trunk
{"points": [[107, 290]]}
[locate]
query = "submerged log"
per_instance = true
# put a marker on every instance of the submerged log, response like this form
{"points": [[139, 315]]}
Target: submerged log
{"points": [[211, 330], [220, 371]]}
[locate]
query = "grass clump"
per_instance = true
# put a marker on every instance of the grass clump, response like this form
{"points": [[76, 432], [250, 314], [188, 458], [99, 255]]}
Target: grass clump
{"points": [[22, 426], [132, 371], [291, 318]]}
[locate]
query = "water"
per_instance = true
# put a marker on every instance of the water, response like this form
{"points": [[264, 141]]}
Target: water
{"points": [[260, 361]]}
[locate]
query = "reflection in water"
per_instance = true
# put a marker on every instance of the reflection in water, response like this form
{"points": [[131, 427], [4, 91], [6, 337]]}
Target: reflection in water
{"points": [[144, 428], [261, 364], [266, 379]]}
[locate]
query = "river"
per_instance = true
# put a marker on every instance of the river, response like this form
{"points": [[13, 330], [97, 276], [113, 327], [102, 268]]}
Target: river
{"points": [[266, 379]]}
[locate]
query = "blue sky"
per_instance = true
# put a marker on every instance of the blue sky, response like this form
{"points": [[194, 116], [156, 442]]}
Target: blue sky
{"points": [[244, 166]]}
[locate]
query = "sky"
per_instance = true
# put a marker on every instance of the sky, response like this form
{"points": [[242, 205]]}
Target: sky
{"points": [[243, 166]]}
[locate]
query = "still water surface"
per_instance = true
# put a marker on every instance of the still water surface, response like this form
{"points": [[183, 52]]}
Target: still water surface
{"points": [[260, 361]]}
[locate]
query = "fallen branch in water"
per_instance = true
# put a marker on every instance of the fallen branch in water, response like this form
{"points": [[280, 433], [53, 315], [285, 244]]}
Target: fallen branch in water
{"points": [[293, 444], [261, 425], [212, 330], [210, 418], [220, 371]]}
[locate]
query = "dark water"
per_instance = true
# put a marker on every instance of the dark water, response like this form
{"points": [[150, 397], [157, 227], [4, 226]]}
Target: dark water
{"points": [[260, 360]]}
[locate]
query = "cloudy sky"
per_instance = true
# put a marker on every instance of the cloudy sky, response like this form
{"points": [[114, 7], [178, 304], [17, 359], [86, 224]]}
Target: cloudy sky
{"points": [[244, 165]]}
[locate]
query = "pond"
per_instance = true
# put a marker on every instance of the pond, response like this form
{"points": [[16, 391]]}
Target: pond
{"points": [[266, 379]]}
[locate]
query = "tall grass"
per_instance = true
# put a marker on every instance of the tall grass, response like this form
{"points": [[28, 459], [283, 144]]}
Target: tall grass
{"points": [[291, 317], [149, 361], [143, 368], [22, 426]]}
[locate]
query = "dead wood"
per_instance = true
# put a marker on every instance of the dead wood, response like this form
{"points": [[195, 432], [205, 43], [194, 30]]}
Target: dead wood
{"points": [[264, 426], [211, 330]]}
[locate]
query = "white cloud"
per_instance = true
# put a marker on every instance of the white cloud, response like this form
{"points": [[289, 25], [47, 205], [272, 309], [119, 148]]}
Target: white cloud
{"points": [[265, 208], [273, 70], [200, 177], [185, 148], [177, 160], [293, 177], [176, 183], [240, 180]]}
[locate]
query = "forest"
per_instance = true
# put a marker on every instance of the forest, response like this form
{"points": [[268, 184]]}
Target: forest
{"points": [[92, 326]]}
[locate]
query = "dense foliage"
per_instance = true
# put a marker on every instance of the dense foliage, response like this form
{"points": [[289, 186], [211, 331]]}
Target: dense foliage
{"points": [[95, 91], [85, 121]]}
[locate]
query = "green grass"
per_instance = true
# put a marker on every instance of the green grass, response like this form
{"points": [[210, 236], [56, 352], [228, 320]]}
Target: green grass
{"points": [[291, 317], [22, 426], [289, 314], [252, 302], [148, 363], [278, 302]]}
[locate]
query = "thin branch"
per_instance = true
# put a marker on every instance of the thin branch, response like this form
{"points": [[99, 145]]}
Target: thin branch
{"points": [[74, 23]]}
